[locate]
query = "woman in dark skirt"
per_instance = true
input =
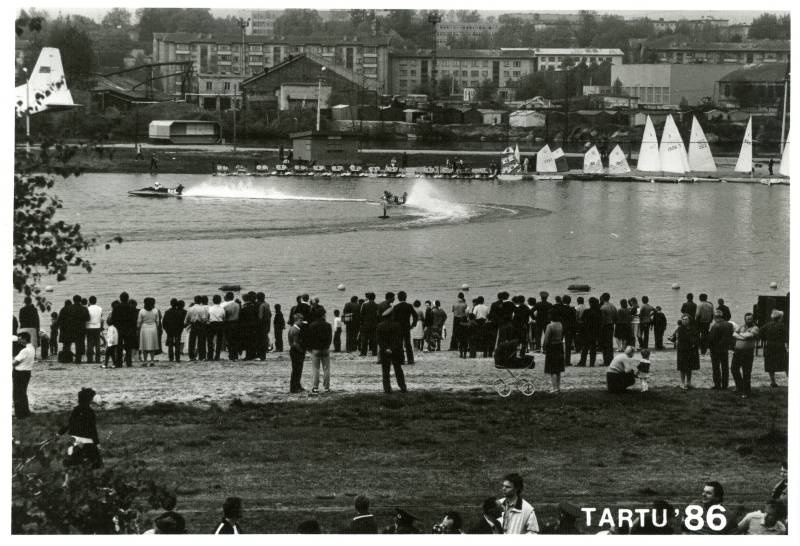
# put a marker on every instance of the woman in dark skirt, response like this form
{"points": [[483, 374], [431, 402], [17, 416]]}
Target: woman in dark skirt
{"points": [[687, 348], [776, 356], [553, 345]]}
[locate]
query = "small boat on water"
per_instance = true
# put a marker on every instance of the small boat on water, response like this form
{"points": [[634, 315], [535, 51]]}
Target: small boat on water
{"points": [[157, 190], [320, 170]]}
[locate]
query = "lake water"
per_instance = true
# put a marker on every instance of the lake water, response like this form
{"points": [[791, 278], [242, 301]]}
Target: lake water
{"points": [[285, 236]]}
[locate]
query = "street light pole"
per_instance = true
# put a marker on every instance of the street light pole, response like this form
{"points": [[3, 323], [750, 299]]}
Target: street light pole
{"points": [[27, 111], [319, 94]]}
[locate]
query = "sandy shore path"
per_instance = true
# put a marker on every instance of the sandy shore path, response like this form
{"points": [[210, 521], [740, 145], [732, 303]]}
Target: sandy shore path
{"points": [[54, 386]]}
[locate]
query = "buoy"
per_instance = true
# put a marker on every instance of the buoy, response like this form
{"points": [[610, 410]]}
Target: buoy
{"points": [[340, 288], [230, 288], [48, 288], [579, 288], [465, 287], [773, 285], [675, 286]]}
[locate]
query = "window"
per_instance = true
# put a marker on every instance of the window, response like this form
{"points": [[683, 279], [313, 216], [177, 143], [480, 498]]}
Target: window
{"points": [[209, 86], [455, 72], [254, 48], [506, 63], [404, 72], [484, 74], [474, 62], [412, 72], [226, 86], [517, 64], [506, 74], [474, 73], [552, 59], [474, 83], [516, 73], [463, 73]]}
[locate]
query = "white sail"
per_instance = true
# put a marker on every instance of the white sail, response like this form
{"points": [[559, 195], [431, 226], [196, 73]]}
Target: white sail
{"points": [[509, 162], [592, 163], [649, 159], [784, 168], [745, 162], [700, 158], [617, 163], [671, 150], [558, 152], [516, 152], [545, 163]]}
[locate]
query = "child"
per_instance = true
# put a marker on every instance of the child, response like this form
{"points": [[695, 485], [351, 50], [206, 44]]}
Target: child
{"points": [[337, 332], [112, 342], [644, 369]]}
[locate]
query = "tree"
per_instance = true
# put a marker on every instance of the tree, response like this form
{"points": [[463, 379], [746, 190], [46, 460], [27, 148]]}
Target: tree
{"points": [[298, 22], [44, 246], [445, 85], [487, 90], [77, 50], [770, 27], [616, 88], [587, 29], [117, 18], [467, 16]]}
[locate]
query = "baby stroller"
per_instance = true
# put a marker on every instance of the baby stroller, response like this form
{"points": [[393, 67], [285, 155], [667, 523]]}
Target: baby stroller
{"points": [[506, 358]]}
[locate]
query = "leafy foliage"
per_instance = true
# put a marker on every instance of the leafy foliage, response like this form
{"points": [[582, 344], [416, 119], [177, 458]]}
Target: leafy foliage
{"points": [[48, 498], [43, 245], [771, 27]]}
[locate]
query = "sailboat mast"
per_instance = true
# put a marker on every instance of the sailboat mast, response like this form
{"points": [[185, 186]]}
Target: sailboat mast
{"points": [[785, 98]]}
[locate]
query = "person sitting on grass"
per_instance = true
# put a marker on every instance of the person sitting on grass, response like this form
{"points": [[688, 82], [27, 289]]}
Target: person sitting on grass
{"points": [[82, 427], [489, 522], [621, 373], [171, 519], [711, 500], [766, 522], [364, 522], [403, 524], [231, 512]]}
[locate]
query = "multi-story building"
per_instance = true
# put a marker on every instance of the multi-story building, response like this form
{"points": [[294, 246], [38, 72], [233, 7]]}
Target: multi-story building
{"points": [[262, 22], [756, 86], [662, 25], [454, 29], [751, 52], [220, 63], [669, 84], [469, 68]]}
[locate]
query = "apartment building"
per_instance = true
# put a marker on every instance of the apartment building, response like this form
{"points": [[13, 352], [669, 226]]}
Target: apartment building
{"points": [[454, 29], [262, 22], [222, 62], [751, 52]]}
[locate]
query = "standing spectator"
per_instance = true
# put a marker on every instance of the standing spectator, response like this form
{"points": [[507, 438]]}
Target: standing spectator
{"points": [[519, 321], [645, 319], [390, 351], [369, 321], [364, 522], [621, 373], [21, 375], [215, 333], [726, 312], [609, 313], [686, 347], [349, 312], [482, 327], [704, 316], [489, 522], [93, 328], [173, 326], [569, 323], [496, 319], [643, 370], [248, 326], [459, 315], [580, 309], [689, 307], [518, 515], [622, 328], [542, 316], [418, 332], [318, 338], [29, 321], [337, 332], [263, 325], [196, 319], [553, 347], [659, 327], [404, 314], [231, 513], [438, 320], [297, 352], [149, 326], [278, 325], [531, 323], [82, 426], [231, 326], [112, 346], [745, 338], [54, 332], [451, 524], [766, 522], [776, 348], [592, 328], [720, 337], [75, 319]]}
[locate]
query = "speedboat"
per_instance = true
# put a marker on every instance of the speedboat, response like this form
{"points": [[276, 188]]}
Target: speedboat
{"points": [[158, 191]]}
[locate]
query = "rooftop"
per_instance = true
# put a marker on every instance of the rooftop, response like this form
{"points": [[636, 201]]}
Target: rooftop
{"points": [[767, 72], [196, 37]]}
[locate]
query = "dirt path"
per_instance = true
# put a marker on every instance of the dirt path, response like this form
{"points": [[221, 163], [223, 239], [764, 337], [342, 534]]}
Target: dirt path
{"points": [[54, 386]]}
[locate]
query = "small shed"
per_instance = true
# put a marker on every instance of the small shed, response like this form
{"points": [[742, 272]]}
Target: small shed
{"points": [[342, 112], [527, 118], [184, 131], [412, 115], [325, 148], [491, 117]]}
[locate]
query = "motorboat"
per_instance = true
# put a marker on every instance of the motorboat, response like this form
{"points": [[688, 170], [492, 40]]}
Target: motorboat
{"points": [[157, 190]]}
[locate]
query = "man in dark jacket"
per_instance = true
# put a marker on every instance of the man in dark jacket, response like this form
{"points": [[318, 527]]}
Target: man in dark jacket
{"points": [[29, 321], [592, 327], [364, 522], [318, 339], [720, 338], [390, 351], [350, 318], [248, 326], [77, 317], [659, 327], [404, 314], [173, 326], [569, 322], [369, 321], [304, 308], [489, 523], [125, 317], [519, 320], [542, 311]]}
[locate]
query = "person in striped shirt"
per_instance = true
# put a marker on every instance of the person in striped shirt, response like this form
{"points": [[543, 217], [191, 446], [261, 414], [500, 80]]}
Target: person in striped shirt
{"points": [[518, 516]]}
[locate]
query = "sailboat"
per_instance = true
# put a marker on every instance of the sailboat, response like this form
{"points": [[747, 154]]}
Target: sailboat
{"points": [[592, 162], [618, 168], [784, 168], [649, 159], [510, 168], [545, 164], [700, 158], [745, 162]]}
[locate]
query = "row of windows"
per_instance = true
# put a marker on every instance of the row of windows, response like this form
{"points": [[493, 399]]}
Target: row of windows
{"points": [[257, 48], [226, 86], [649, 95]]}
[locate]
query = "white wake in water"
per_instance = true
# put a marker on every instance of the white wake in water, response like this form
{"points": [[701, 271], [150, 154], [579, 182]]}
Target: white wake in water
{"points": [[246, 189], [426, 198]]}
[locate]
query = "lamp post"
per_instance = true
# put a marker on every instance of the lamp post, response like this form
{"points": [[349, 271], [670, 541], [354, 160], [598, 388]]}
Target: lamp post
{"points": [[27, 111], [319, 94]]}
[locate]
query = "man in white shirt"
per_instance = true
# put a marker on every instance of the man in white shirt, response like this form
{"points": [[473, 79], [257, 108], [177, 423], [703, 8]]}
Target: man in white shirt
{"points": [[621, 372], [767, 522], [21, 376], [93, 328], [518, 516], [214, 335]]}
